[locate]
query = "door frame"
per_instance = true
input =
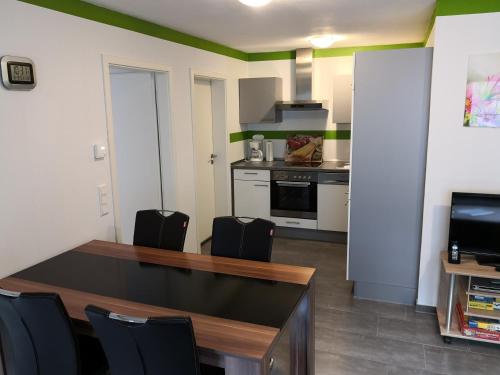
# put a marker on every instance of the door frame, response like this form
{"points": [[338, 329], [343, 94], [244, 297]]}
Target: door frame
{"points": [[222, 122], [165, 130]]}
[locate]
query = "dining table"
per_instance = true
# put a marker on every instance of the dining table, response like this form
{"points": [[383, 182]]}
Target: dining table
{"points": [[240, 309]]}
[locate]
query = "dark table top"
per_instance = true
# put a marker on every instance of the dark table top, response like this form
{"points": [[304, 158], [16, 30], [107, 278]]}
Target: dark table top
{"points": [[265, 302]]}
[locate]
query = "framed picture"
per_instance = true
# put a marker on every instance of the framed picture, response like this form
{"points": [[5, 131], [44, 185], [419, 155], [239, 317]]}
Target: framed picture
{"points": [[482, 99]]}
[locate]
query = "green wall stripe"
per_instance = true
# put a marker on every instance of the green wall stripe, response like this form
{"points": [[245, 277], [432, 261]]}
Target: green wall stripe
{"points": [[329, 52], [283, 134], [99, 14], [266, 56], [457, 7], [236, 137], [430, 27], [348, 51]]}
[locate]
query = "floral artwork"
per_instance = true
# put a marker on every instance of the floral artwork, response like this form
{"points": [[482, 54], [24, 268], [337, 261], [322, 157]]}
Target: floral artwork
{"points": [[482, 102]]}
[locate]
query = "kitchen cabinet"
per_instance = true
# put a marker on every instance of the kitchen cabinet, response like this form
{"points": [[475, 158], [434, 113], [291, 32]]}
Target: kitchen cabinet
{"points": [[342, 99], [252, 193], [333, 201], [258, 97]]}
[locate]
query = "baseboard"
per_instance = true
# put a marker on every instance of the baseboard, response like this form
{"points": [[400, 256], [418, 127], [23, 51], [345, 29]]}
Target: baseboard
{"points": [[425, 309], [385, 293], [310, 234]]}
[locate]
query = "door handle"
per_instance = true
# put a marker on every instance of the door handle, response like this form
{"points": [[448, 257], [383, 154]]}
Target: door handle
{"points": [[212, 158]]}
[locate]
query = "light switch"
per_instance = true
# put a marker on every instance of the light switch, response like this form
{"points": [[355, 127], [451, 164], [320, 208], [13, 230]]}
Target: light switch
{"points": [[103, 197], [100, 151]]}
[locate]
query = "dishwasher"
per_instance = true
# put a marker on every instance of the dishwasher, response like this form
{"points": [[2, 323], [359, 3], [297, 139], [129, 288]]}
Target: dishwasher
{"points": [[333, 201]]}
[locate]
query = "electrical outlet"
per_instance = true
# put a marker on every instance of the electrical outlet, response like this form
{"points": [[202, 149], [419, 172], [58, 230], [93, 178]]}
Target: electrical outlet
{"points": [[103, 199]]}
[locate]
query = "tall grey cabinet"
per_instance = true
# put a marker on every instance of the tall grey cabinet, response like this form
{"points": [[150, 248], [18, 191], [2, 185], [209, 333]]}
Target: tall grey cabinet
{"points": [[389, 144]]}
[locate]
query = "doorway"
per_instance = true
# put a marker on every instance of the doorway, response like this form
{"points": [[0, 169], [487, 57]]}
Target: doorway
{"points": [[139, 143], [210, 145]]}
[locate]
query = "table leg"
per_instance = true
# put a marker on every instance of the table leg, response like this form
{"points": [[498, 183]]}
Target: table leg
{"points": [[449, 309], [241, 366], [302, 336]]}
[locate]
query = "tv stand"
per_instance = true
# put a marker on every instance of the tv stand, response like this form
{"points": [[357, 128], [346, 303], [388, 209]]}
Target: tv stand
{"points": [[454, 289], [488, 260]]}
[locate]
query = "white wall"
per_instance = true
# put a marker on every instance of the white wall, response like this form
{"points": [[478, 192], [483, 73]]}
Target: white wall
{"points": [[458, 158], [48, 195], [325, 72]]}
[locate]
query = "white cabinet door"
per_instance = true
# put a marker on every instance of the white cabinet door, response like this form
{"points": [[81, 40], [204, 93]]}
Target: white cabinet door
{"points": [[333, 206], [252, 199]]}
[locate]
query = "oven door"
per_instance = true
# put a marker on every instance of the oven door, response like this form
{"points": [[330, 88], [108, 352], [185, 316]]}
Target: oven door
{"points": [[294, 199]]}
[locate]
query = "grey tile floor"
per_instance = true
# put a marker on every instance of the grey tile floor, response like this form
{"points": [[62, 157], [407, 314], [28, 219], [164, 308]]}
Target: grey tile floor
{"points": [[366, 337]]}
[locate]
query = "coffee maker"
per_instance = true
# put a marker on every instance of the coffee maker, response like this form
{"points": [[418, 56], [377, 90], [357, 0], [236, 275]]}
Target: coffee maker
{"points": [[256, 153]]}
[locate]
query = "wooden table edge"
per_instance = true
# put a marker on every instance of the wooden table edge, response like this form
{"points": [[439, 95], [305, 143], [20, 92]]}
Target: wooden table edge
{"points": [[230, 266]]}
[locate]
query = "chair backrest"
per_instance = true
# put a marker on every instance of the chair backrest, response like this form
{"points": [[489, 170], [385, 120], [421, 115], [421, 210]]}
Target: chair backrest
{"points": [[234, 238], [136, 346], [153, 229], [258, 240], [36, 334]]}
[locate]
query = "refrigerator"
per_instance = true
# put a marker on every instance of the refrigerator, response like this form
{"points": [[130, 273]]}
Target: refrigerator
{"points": [[391, 95]]}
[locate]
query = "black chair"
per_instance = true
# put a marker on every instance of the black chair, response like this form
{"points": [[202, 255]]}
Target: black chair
{"points": [[234, 238], [37, 337], [136, 346], [154, 229]]}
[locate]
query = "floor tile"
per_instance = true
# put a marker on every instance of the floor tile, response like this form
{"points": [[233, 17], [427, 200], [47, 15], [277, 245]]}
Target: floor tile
{"points": [[421, 331], [337, 364], [360, 323], [386, 351], [460, 363]]}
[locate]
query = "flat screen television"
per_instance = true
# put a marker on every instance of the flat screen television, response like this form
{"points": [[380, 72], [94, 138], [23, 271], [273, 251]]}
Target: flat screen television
{"points": [[475, 225]]}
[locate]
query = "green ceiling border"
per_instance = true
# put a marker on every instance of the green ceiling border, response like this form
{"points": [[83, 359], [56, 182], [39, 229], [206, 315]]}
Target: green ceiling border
{"points": [[96, 13], [349, 51], [458, 7], [266, 56], [99, 14], [283, 134]]}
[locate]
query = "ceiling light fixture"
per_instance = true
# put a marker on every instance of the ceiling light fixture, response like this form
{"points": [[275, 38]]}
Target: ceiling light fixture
{"points": [[323, 41], [255, 3]]}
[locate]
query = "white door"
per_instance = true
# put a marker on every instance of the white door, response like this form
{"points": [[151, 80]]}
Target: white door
{"points": [[137, 153], [204, 148]]}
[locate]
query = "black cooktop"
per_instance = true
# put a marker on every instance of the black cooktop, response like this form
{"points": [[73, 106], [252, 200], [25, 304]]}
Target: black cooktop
{"points": [[250, 300], [313, 164]]}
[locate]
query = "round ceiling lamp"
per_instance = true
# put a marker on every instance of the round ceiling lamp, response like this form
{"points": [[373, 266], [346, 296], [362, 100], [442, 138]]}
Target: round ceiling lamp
{"points": [[323, 41], [255, 3]]}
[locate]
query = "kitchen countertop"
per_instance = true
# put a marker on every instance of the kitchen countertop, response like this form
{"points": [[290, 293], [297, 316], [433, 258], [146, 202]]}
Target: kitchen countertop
{"points": [[326, 166]]}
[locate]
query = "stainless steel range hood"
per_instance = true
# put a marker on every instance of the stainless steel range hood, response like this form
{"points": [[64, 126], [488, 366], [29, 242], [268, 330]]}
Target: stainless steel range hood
{"points": [[303, 85]]}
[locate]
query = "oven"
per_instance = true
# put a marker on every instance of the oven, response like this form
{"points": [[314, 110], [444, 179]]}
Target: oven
{"points": [[294, 194]]}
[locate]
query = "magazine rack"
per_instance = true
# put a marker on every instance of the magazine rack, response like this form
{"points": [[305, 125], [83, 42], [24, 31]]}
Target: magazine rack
{"points": [[454, 288]]}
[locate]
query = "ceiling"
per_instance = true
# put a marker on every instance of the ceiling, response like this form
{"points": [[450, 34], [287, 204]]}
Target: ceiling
{"points": [[286, 24]]}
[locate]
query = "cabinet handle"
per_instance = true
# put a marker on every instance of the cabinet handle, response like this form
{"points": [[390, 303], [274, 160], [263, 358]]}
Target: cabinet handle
{"points": [[261, 185], [292, 222], [250, 173]]}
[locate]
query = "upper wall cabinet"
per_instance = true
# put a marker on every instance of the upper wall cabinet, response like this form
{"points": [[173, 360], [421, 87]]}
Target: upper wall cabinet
{"points": [[258, 97], [342, 99]]}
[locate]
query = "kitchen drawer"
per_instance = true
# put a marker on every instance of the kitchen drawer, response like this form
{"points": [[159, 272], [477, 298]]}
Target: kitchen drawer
{"points": [[294, 223], [252, 174]]}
